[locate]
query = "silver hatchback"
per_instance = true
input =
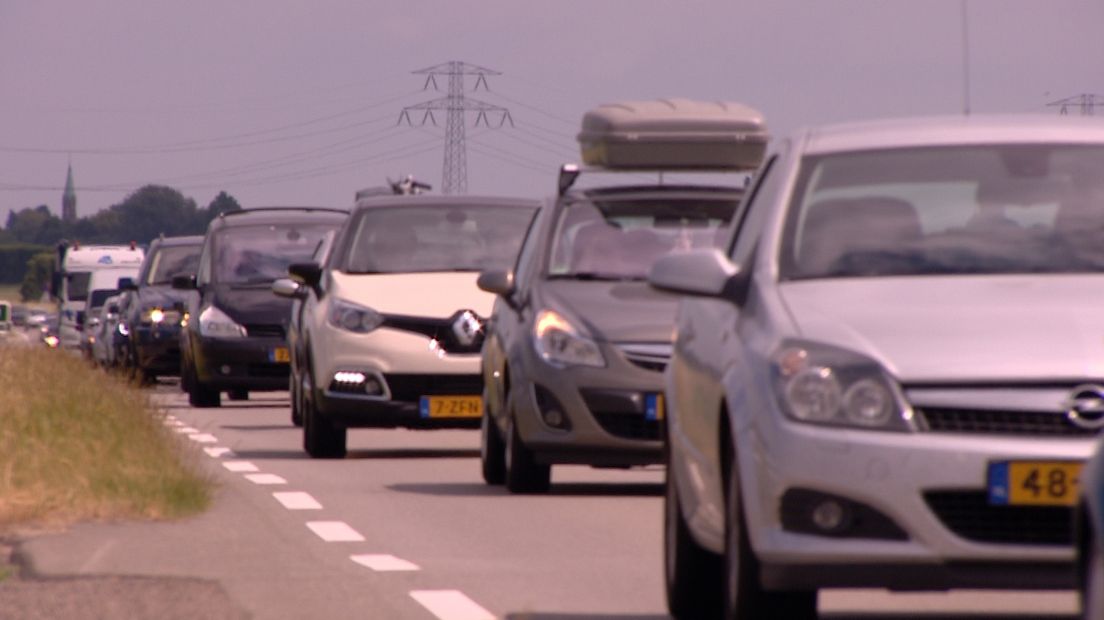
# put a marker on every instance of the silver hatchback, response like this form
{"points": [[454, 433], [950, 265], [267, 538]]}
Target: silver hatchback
{"points": [[892, 376]]}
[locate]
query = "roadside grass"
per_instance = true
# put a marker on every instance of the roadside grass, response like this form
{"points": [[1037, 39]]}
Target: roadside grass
{"points": [[10, 292], [78, 444]]}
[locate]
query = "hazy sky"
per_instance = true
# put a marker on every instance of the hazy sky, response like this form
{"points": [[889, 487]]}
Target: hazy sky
{"points": [[296, 103]]}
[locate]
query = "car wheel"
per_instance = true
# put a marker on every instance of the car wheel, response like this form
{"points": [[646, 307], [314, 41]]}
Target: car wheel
{"points": [[1092, 585], [296, 401], [694, 576], [492, 450], [744, 596], [523, 473], [200, 395], [238, 394], [321, 439]]}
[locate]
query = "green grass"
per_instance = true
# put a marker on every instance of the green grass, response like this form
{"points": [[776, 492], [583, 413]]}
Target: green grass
{"points": [[78, 444]]}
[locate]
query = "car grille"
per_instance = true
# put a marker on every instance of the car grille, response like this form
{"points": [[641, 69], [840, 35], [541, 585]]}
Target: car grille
{"points": [[970, 515], [629, 426], [983, 421], [649, 356], [410, 388], [260, 330]]}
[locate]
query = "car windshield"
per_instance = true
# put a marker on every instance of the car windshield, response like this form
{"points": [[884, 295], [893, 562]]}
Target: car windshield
{"points": [[260, 254], [97, 297], [445, 237], [619, 239], [172, 261], [949, 210], [77, 284]]}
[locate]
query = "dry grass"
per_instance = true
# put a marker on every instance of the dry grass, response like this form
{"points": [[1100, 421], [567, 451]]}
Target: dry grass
{"points": [[77, 444]]}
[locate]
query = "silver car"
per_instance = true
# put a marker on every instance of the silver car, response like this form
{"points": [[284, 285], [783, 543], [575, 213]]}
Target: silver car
{"points": [[893, 374]]}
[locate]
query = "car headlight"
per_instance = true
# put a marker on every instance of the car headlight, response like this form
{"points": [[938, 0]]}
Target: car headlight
{"points": [[353, 317], [123, 329], [214, 322], [819, 384], [560, 343], [160, 316]]}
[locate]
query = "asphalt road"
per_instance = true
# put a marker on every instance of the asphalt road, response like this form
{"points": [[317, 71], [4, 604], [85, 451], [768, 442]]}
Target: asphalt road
{"points": [[405, 528]]}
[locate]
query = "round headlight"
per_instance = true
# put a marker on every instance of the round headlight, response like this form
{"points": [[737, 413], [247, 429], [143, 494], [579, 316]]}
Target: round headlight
{"points": [[868, 403], [813, 394]]}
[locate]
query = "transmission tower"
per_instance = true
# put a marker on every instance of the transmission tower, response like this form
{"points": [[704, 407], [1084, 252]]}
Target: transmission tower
{"points": [[455, 105], [1085, 102]]}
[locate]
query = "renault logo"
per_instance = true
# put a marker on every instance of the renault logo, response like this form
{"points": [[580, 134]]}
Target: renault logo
{"points": [[1085, 406], [467, 328]]}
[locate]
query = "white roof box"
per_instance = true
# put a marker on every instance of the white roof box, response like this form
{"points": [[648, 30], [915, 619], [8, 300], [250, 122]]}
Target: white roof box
{"points": [[673, 134]]}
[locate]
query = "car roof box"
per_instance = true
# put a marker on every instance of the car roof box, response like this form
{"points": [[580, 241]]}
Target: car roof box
{"points": [[673, 134]]}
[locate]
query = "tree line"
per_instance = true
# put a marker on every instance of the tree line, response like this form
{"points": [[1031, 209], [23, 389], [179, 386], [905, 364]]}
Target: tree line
{"points": [[28, 239]]}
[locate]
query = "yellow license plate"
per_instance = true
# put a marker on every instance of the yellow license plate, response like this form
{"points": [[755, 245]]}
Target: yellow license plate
{"points": [[1034, 483], [654, 407], [280, 354], [451, 406]]}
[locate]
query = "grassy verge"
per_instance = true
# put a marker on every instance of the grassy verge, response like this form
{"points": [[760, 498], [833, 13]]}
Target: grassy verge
{"points": [[10, 292], [77, 444]]}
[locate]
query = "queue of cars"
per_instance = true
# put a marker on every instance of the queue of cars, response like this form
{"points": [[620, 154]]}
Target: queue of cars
{"points": [[869, 355]]}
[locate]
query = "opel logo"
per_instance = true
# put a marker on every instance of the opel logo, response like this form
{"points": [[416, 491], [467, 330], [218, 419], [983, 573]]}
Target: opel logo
{"points": [[1085, 406], [467, 327]]}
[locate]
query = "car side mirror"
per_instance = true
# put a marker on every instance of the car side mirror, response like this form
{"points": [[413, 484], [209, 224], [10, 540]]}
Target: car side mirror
{"points": [[703, 272], [186, 282], [307, 273], [497, 281], [286, 287], [126, 284]]}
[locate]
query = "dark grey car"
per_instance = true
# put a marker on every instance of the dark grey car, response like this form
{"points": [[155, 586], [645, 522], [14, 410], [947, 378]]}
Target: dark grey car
{"points": [[575, 350]]}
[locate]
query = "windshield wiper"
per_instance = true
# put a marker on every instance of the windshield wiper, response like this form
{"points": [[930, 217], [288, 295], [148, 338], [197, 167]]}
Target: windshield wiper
{"points": [[592, 276]]}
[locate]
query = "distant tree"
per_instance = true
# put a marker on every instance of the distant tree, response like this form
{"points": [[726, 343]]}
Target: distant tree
{"points": [[35, 279], [223, 203], [35, 225], [146, 213]]}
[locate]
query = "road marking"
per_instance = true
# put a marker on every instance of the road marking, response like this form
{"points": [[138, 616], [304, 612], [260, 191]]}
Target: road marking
{"points": [[335, 531], [239, 466], [297, 500], [450, 605], [383, 562], [218, 451], [186, 430], [203, 438], [265, 479]]}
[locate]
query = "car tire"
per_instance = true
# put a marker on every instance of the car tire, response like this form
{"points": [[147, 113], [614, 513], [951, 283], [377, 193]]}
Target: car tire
{"points": [[200, 395], [296, 401], [693, 575], [238, 394], [492, 450], [523, 473], [321, 439], [1092, 584], [744, 596]]}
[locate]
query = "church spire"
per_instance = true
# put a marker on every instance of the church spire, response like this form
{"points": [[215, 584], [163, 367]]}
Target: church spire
{"points": [[69, 199]]}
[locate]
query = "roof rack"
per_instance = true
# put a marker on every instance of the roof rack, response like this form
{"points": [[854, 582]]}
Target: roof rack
{"points": [[271, 209]]}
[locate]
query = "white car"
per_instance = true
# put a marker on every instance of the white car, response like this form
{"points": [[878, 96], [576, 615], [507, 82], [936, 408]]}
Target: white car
{"points": [[892, 375], [392, 323]]}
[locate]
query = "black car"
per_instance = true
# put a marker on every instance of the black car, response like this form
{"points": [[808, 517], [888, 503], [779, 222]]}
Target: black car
{"points": [[153, 310], [233, 335]]}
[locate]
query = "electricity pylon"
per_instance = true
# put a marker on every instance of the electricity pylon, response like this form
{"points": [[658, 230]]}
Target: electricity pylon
{"points": [[455, 104]]}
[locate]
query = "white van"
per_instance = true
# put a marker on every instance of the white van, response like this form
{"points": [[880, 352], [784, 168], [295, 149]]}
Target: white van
{"points": [[84, 269]]}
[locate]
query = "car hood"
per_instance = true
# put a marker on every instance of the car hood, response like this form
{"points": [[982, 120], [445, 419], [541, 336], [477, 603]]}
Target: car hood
{"points": [[252, 305], [961, 328], [614, 311], [434, 295], [161, 297]]}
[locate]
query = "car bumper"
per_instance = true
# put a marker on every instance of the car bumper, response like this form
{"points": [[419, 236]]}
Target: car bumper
{"points": [[405, 369], [614, 414], [158, 349], [932, 487], [241, 363]]}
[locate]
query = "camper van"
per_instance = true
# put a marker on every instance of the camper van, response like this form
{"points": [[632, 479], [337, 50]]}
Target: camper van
{"points": [[85, 268]]}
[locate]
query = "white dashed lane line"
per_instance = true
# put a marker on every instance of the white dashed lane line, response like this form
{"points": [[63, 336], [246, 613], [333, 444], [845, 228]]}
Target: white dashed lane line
{"points": [[451, 605], [335, 531], [239, 466], [203, 438], [218, 451], [186, 430], [297, 500], [383, 563], [265, 479]]}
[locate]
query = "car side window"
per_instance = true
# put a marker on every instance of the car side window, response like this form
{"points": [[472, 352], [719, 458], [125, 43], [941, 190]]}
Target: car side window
{"points": [[203, 274], [755, 211]]}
